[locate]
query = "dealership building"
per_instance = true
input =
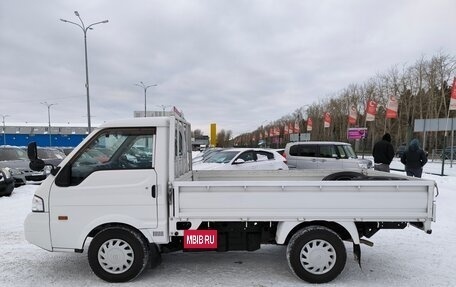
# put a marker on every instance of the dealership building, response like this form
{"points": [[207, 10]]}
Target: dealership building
{"points": [[66, 134], [60, 134]]}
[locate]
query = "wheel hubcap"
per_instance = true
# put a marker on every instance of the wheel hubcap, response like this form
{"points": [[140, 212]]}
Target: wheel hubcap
{"points": [[318, 256], [115, 256]]}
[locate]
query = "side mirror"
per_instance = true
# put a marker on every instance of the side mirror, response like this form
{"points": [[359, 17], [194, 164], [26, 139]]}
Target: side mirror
{"points": [[31, 151], [63, 179]]}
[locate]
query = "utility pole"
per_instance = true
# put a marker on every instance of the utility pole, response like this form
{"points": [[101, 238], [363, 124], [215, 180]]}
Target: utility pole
{"points": [[4, 132], [49, 120], [84, 30], [142, 85]]}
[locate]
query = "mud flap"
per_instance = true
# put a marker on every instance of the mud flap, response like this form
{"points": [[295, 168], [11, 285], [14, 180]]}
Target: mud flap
{"points": [[357, 252], [155, 256]]}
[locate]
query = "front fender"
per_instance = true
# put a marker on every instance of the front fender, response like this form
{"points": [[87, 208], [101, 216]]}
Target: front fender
{"points": [[111, 219]]}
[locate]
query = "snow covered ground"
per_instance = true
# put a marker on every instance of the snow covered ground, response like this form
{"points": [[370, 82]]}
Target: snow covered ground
{"points": [[406, 257]]}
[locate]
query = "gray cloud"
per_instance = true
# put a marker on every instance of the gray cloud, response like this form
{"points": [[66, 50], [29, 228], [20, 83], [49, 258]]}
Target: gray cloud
{"points": [[235, 63]]}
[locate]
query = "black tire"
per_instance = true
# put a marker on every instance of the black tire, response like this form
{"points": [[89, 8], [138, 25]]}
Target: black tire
{"points": [[345, 175], [316, 254], [118, 254]]}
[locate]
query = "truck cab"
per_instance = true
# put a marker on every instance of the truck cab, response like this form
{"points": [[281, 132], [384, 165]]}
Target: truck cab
{"points": [[119, 173]]}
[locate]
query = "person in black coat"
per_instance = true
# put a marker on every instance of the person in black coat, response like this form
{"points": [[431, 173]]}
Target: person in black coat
{"points": [[383, 153], [414, 158]]}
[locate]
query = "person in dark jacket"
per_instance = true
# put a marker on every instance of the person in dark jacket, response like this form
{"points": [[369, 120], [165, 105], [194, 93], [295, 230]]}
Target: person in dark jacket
{"points": [[414, 158], [383, 153]]}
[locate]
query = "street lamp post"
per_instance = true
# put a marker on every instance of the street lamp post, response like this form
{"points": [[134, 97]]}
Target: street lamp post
{"points": [[84, 30], [4, 132], [142, 85], [49, 120]]}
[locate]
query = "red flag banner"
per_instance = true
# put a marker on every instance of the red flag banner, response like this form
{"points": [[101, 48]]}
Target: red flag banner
{"points": [[391, 108], [371, 111], [296, 127], [277, 131], [309, 124], [453, 96], [327, 120], [353, 115], [286, 130]]}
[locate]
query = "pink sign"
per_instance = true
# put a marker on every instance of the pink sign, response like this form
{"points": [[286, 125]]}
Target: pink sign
{"points": [[356, 133]]}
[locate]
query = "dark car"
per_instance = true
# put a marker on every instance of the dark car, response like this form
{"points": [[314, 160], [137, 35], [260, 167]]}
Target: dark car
{"points": [[401, 149], [6, 182]]}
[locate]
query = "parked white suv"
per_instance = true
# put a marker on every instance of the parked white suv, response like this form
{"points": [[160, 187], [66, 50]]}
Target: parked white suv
{"points": [[323, 155]]}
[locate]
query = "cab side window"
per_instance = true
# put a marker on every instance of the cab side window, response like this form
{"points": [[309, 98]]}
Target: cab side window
{"points": [[114, 149]]}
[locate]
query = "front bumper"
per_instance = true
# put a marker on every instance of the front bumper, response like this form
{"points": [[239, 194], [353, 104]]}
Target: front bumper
{"points": [[36, 229], [36, 175]]}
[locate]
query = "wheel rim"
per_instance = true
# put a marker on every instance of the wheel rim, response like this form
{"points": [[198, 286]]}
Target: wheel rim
{"points": [[318, 256], [115, 256]]}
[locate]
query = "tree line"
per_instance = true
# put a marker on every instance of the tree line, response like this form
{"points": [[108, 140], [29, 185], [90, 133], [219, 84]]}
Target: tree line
{"points": [[421, 89]]}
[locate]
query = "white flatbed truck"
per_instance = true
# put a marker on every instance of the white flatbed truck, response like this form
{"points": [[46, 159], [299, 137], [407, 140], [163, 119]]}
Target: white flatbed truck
{"points": [[129, 188]]}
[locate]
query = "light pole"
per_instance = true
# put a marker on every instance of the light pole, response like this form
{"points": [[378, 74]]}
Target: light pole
{"points": [[49, 120], [4, 132], [84, 30], [142, 85]]}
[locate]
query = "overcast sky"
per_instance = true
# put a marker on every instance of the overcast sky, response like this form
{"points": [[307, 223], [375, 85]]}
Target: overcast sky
{"points": [[239, 64]]}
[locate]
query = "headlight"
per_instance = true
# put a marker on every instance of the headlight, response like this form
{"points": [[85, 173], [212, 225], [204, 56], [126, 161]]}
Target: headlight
{"points": [[37, 204], [7, 173], [363, 165], [15, 172], [47, 169]]}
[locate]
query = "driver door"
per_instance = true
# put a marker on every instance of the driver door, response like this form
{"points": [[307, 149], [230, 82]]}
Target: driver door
{"points": [[111, 179]]}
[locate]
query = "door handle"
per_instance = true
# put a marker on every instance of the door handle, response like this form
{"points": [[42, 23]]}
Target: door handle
{"points": [[153, 192]]}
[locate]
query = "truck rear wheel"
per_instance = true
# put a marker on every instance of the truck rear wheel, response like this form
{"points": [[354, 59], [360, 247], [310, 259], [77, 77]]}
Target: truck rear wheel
{"points": [[316, 254], [118, 254], [345, 175]]}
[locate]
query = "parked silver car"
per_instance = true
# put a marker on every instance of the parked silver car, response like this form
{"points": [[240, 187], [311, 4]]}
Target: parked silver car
{"points": [[323, 155], [50, 155], [16, 159]]}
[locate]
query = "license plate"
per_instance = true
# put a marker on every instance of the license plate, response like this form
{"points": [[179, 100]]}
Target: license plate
{"points": [[200, 239]]}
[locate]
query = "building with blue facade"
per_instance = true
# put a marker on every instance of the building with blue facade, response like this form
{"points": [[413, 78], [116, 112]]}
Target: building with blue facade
{"points": [[60, 135]]}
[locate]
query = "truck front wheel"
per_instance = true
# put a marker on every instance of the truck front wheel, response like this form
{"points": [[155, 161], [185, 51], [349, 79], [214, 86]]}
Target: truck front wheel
{"points": [[118, 254], [316, 254]]}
